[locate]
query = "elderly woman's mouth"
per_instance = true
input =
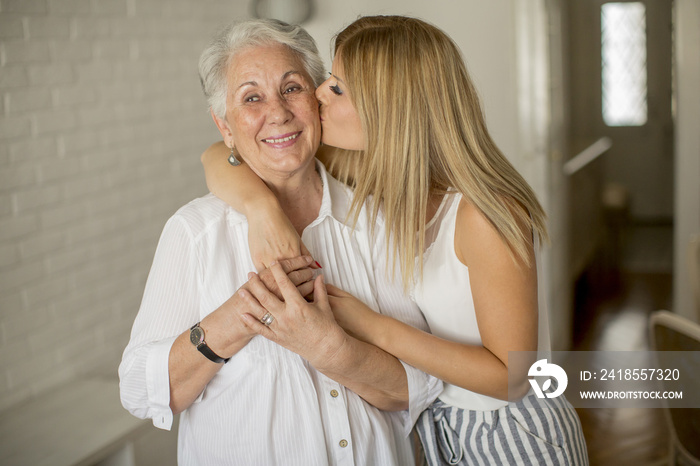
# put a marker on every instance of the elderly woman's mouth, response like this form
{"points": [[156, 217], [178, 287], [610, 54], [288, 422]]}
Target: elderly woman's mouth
{"points": [[283, 138]]}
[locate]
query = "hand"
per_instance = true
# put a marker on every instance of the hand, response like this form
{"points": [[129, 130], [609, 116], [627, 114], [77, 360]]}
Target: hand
{"points": [[298, 271], [350, 313], [298, 274], [307, 329], [272, 237]]}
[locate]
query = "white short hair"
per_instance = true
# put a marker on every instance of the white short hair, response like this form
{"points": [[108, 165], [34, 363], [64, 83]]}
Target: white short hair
{"points": [[215, 60]]}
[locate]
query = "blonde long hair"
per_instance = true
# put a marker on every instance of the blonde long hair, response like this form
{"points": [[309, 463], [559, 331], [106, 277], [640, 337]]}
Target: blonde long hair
{"points": [[425, 133]]}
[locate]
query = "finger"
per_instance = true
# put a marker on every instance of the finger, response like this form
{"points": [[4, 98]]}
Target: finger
{"points": [[269, 281], [305, 252], [320, 295], [332, 300], [287, 288], [333, 290], [258, 327], [301, 276], [306, 289], [259, 264], [253, 306], [296, 263], [265, 297]]}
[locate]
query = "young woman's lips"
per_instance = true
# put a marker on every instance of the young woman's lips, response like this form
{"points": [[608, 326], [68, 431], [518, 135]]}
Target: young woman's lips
{"points": [[282, 140]]}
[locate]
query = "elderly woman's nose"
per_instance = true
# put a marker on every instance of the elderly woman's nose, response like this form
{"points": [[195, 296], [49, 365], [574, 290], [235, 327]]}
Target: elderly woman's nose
{"points": [[279, 110]]}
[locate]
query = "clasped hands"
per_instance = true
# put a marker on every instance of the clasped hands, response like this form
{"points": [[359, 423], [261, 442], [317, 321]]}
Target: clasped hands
{"points": [[303, 319]]}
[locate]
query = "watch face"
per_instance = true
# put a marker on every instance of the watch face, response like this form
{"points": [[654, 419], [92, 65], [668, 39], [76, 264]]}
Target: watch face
{"points": [[196, 336]]}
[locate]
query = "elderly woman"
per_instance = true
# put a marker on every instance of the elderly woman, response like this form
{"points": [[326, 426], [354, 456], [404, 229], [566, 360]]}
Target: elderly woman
{"points": [[315, 395]]}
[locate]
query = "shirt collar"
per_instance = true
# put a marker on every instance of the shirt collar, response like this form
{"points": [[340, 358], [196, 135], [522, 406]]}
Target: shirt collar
{"points": [[336, 199]]}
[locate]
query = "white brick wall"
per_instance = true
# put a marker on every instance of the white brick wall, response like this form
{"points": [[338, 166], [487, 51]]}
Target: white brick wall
{"points": [[102, 121]]}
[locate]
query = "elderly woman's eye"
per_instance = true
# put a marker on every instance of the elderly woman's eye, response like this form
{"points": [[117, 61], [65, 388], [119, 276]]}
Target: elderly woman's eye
{"points": [[292, 89], [252, 98]]}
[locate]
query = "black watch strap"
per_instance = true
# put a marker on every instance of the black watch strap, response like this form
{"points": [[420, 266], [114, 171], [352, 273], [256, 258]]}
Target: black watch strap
{"points": [[212, 356], [204, 348]]}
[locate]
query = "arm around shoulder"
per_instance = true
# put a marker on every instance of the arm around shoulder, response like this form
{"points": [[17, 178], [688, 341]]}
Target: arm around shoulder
{"points": [[238, 186], [272, 236]]}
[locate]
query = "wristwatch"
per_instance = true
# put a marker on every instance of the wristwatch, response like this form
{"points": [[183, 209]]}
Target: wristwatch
{"points": [[197, 339]]}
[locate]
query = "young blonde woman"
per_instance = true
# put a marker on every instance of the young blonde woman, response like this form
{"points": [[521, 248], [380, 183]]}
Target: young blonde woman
{"points": [[465, 228]]}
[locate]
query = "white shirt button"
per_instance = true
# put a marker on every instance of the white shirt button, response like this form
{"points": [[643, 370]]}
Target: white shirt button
{"points": [[343, 443], [334, 393]]}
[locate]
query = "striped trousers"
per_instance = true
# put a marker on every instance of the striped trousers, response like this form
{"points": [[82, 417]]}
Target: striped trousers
{"points": [[530, 432]]}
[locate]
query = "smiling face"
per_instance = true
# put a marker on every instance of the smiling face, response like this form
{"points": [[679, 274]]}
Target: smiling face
{"points": [[271, 111], [341, 123]]}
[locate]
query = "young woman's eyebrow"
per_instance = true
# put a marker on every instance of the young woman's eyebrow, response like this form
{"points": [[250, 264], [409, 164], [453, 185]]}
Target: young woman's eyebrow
{"points": [[336, 77]]}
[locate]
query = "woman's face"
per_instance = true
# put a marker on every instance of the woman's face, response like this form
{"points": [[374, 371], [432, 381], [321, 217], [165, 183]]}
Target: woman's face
{"points": [[341, 123], [271, 111]]}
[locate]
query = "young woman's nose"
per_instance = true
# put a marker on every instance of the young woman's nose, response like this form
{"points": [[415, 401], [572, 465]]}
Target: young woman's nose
{"points": [[320, 94]]}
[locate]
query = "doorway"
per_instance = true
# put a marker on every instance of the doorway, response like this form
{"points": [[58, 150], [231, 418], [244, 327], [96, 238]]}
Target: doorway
{"points": [[620, 88], [620, 75]]}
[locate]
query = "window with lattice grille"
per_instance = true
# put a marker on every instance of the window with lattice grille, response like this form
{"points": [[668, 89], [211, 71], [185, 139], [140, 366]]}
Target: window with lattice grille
{"points": [[624, 63]]}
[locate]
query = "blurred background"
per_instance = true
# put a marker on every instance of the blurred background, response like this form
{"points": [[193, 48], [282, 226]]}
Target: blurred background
{"points": [[102, 121]]}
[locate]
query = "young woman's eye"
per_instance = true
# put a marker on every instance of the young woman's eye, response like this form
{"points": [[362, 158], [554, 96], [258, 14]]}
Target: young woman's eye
{"points": [[335, 89]]}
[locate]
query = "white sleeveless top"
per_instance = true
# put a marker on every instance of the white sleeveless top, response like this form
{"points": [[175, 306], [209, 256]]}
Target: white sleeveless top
{"points": [[444, 295]]}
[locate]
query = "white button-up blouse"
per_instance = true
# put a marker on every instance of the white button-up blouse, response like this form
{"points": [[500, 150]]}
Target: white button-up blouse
{"points": [[267, 405]]}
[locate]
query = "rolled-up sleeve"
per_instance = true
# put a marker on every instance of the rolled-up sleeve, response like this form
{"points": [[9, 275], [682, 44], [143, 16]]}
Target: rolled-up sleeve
{"points": [[423, 389], [169, 306]]}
